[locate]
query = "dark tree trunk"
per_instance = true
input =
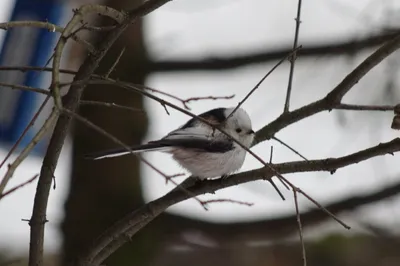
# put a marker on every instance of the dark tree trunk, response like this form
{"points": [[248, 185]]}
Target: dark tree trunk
{"points": [[103, 191]]}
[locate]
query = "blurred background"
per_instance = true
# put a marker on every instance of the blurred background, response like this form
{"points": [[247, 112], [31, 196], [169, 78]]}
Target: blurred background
{"points": [[192, 48]]}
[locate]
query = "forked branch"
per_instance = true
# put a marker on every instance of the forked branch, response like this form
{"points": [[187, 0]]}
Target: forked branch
{"points": [[124, 229]]}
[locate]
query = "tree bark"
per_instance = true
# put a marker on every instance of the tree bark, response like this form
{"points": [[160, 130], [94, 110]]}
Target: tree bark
{"points": [[103, 191]]}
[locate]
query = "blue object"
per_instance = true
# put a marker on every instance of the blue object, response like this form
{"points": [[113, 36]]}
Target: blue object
{"points": [[26, 46]]}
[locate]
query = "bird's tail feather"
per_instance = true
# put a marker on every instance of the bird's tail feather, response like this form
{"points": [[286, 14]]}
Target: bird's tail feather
{"points": [[152, 146]]}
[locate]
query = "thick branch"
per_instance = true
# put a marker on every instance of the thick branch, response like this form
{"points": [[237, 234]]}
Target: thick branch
{"points": [[280, 227], [123, 230]]}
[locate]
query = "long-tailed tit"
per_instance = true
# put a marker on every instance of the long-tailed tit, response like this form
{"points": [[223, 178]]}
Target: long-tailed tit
{"points": [[202, 150]]}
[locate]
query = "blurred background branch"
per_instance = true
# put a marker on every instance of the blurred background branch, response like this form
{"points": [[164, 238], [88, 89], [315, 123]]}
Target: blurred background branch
{"points": [[214, 63]]}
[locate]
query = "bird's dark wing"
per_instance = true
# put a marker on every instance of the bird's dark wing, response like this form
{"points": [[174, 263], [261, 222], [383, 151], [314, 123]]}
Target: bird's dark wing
{"points": [[215, 116], [218, 146]]}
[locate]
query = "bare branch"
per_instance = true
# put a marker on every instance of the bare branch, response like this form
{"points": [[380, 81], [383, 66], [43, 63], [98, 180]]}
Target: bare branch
{"points": [[124, 229], [206, 202], [35, 68], [279, 228], [111, 137], [355, 107], [191, 99], [351, 79], [48, 124], [316, 203], [300, 228], [69, 31], [33, 24], [271, 153], [183, 101], [98, 28], [31, 123], [8, 192], [110, 105], [263, 78], [333, 98], [115, 63], [44, 25], [293, 58], [288, 146], [24, 88], [173, 176]]}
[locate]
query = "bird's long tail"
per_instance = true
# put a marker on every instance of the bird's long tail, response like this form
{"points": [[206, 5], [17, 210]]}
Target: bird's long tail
{"points": [[205, 145], [151, 146]]}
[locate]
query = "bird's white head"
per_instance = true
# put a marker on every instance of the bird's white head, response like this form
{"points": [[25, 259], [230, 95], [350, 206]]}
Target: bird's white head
{"points": [[238, 125]]}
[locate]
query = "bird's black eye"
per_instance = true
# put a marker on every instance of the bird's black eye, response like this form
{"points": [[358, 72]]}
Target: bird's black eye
{"points": [[238, 130]]}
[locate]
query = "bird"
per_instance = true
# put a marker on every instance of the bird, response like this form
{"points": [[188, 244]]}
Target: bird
{"points": [[199, 148], [202, 149]]}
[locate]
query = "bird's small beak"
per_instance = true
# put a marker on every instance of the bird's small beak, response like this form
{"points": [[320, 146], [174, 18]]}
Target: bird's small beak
{"points": [[251, 132]]}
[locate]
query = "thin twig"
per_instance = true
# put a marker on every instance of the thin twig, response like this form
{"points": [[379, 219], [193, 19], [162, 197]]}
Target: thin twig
{"points": [[289, 147], [110, 105], [173, 176], [300, 228], [206, 202], [262, 80], [125, 146], [25, 152], [110, 136], [191, 99], [35, 68], [24, 88], [316, 203], [45, 25], [75, 31], [115, 63], [183, 101], [271, 153], [47, 62], [8, 192], [293, 58], [31, 123], [98, 28]]}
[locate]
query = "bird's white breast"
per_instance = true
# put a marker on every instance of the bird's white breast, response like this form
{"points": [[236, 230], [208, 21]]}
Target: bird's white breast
{"points": [[207, 165]]}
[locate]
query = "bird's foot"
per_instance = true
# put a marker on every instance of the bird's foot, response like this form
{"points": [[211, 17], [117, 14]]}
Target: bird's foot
{"points": [[224, 177]]}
